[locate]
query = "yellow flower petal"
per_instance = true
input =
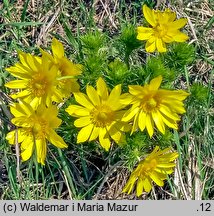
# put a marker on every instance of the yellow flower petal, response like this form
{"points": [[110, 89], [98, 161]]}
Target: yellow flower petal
{"points": [[136, 89], [171, 16], [164, 171], [142, 120], [140, 186], [156, 116], [75, 110], [56, 140], [41, 150], [176, 94], [166, 111], [34, 103], [175, 105], [50, 114], [129, 185], [149, 15], [94, 133], [57, 48], [22, 105], [22, 57], [19, 71], [156, 178], [46, 54], [114, 98], [130, 114], [32, 62], [167, 39], [82, 121], [161, 47], [123, 126], [116, 135], [126, 98], [102, 89], [29, 138], [11, 136], [149, 125], [178, 23], [17, 84], [147, 185], [135, 124], [104, 139], [84, 133], [83, 100], [16, 110], [150, 46], [21, 122], [21, 94], [169, 122], [166, 165], [27, 153], [155, 83], [68, 68], [92, 95], [57, 96], [180, 37], [144, 33]]}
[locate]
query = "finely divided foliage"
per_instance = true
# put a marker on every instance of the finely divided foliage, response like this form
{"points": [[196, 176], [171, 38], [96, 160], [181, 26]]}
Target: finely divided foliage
{"points": [[115, 103]]}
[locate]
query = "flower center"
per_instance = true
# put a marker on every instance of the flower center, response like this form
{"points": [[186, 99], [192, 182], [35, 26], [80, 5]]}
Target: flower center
{"points": [[147, 167], [160, 31], [148, 105], [38, 85], [102, 115], [150, 165], [40, 127]]}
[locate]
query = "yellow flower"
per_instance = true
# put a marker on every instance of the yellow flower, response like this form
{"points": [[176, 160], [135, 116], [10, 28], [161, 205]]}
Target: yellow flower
{"points": [[165, 29], [153, 105], [37, 80], [155, 167], [67, 69], [99, 115], [36, 127]]}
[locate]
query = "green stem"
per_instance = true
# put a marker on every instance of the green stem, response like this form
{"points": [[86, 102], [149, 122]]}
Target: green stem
{"points": [[37, 170], [187, 77], [67, 172], [83, 164]]}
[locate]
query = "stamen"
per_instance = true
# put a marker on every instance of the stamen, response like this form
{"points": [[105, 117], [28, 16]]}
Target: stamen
{"points": [[148, 105], [102, 116], [39, 128], [38, 85]]}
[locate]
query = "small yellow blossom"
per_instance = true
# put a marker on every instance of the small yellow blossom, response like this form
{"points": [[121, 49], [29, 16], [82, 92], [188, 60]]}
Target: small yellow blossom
{"points": [[165, 29], [35, 128], [153, 105], [155, 167], [37, 80], [99, 115]]}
